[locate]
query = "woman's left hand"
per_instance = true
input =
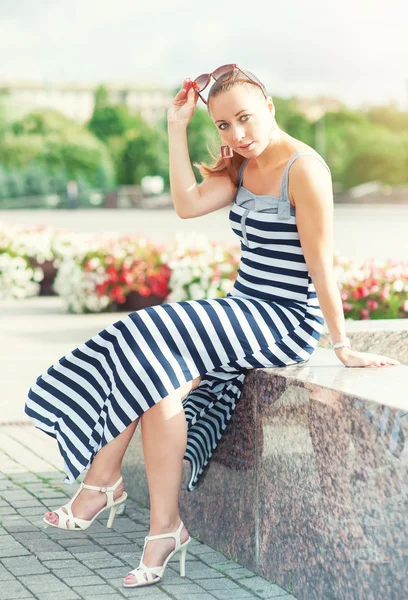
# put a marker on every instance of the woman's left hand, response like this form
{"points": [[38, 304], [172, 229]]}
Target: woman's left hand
{"points": [[352, 358]]}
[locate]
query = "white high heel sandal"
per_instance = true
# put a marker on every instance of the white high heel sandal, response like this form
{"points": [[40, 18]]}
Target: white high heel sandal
{"points": [[140, 572], [76, 524]]}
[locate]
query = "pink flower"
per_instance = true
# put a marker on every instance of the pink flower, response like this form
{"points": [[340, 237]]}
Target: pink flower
{"points": [[347, 306], [344, 295], [385, 292], [360, 292], [372, 304], [365, 314]]}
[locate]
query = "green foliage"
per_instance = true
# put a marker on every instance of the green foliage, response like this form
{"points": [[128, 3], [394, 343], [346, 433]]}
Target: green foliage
{"points": [[135, 148], [19, 151], [59, 148], [292, 122], [85, 156], [342, 130], [35, 181], [378, 155], [359, 151], [101, 96], [44, 122], [108, 121], [57, 184], [15, 184], [203, 138], [3, 184], [390, 117], [3, 114], [40, 152], [143, 154]]}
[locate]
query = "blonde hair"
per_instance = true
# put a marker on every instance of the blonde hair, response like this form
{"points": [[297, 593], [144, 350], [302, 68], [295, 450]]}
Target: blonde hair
{"points": [[221, 165]]}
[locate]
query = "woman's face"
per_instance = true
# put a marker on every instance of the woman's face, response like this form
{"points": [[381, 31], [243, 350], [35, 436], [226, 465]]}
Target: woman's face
{"points": [[243, 118]]}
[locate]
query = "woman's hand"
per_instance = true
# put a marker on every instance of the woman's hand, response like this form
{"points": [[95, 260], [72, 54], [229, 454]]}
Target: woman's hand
{"points": [[352, 358], [182, 108]]}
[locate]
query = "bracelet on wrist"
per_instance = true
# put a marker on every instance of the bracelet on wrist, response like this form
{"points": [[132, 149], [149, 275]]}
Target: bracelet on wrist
{"points": [[343, 343]]}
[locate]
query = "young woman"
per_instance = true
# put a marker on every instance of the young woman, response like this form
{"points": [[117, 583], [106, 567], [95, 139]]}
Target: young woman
{"points": [[141, 368]]}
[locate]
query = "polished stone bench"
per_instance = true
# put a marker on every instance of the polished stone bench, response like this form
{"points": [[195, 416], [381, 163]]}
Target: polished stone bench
{"points": [[382, 336], [309, 485]]}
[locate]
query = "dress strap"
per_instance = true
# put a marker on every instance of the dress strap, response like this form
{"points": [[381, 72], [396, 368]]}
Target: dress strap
{"points": [[241, 172], [284, 202]]}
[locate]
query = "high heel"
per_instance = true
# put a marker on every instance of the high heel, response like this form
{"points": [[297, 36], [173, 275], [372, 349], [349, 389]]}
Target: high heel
{"points": [[77, 524], [142, 570]]}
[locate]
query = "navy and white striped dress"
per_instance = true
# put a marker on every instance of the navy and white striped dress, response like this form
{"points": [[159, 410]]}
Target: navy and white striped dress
{"points": [[271, 318]]}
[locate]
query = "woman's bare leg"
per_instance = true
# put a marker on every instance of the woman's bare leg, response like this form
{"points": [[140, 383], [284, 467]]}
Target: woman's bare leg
{"points": [[104, 471], [164, 439]]}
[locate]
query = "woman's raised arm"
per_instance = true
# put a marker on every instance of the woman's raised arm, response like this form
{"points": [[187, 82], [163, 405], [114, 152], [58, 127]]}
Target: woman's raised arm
{"points": [[191, 199]]}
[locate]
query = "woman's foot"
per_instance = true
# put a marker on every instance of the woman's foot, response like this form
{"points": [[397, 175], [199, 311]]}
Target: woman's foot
{"points": [[88, 502], [157, 551]]}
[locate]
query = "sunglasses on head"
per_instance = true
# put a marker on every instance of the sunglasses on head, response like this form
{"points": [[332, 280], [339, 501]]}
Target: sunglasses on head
{"points": [[224, 73]]}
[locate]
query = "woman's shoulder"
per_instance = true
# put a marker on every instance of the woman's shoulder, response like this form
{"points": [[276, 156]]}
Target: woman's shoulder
{"points": [[303, 149], [302, 159], [306, 172]]}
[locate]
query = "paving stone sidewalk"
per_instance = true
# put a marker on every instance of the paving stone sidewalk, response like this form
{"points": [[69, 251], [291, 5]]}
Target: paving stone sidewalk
{"points": [[46, 563]]}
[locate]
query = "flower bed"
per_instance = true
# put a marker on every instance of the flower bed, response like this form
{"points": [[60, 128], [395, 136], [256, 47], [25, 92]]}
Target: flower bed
{"points": [[116, 274], [373, 289], [43, 248], [98, 272], [17, 278], [200, 268]]}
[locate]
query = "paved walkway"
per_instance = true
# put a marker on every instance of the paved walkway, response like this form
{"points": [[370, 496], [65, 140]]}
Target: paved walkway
{"points": [[46, 563]]}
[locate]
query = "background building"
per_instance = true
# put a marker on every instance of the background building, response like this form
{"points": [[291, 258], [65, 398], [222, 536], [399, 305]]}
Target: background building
{"points": [[77, 100], [315, 108]]}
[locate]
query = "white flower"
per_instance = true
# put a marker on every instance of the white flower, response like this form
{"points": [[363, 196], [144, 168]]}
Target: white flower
{"points": [[38, 274], [227, 285], [17, 278], [406, 305], [224, 268], [94, 262], [196, 291], [212, 291], [398, 285]]}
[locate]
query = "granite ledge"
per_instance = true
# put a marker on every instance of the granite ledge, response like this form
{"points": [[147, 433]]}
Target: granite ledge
{"points": [[384, 385], [382, 336]]}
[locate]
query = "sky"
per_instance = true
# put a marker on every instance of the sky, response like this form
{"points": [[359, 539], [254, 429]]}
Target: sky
{"points": [[353, 50]]}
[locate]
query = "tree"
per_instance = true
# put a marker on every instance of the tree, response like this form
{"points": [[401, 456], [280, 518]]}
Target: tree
{"points": [[203, 139], [36, 181], [390, 117], [342, 130], [293, 122], [378, 155], [3, 184], [143, 154], [101, 96], [15, 184], [44, 122], [109, 120], [48, 140]]}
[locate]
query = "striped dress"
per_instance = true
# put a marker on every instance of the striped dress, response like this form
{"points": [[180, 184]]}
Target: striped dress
{"points": [[271, 318]]}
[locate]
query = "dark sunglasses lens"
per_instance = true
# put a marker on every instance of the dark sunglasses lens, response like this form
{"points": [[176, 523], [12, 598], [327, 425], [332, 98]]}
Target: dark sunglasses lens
{"points": [[202, 81], [224, 70]]}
